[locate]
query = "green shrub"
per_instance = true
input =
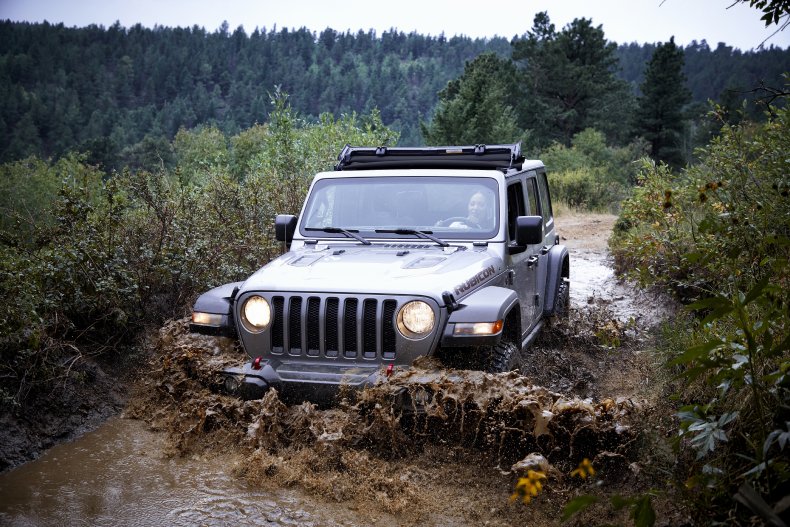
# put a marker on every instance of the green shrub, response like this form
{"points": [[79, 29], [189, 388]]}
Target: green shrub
{"points": [[584, 189], [719, 226], [591, 175], [29, 188], [719, 234], [103, 257]]}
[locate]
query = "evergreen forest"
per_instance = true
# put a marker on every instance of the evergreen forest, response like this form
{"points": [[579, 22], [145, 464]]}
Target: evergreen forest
{"points": [[118, 92]]}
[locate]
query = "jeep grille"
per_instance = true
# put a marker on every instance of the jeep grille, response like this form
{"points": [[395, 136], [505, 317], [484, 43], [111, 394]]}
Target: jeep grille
{"points": [[330, 327]]}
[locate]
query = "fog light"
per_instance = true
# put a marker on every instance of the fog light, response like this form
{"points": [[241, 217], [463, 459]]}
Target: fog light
{"points": [[478, 328], [232, 384]]}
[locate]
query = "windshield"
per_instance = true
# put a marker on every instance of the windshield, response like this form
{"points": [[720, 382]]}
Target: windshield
{"points": [[448, 207]]}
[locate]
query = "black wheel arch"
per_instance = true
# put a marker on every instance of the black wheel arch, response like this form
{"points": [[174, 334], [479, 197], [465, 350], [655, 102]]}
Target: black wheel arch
{"points": [[558, 270], [487, 304]]}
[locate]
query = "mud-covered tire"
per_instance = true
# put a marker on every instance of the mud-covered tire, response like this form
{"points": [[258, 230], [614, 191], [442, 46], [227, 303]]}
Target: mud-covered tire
{"points": [[503, 357], [563, 301]]}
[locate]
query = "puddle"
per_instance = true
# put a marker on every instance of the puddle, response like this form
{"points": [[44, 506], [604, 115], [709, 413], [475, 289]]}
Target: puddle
{"points": [[118, 475], [593, 283]]}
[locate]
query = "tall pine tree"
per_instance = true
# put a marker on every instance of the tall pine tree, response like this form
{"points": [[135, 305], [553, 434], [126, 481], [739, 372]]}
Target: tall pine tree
{"points": [[477, 107], [659, 116], [569, 84]]}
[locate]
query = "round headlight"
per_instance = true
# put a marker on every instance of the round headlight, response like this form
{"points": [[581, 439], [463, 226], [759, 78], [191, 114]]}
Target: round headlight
{"points": [[256, 314], [415, 319]]}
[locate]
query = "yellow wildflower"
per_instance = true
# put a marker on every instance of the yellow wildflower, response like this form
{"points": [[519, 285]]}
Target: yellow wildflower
{"points": [[584, 469], [528, 487]]}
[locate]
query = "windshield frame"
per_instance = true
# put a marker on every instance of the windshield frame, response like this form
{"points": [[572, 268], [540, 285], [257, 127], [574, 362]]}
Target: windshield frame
{"points": [[460, 187]]}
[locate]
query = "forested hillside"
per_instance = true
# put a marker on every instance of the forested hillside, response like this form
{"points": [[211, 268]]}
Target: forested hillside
{"points": [[117, 91], [711, 72], [64, 87]]}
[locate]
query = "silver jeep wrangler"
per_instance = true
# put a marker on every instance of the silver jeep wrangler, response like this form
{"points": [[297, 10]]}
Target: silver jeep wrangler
{"points": [[397, 254]]}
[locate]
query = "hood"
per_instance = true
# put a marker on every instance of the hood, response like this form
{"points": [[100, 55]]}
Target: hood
{"points": [[388, 269]]}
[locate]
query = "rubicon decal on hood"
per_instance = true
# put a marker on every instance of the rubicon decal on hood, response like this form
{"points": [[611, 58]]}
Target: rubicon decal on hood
{"points": [[476, 279]]}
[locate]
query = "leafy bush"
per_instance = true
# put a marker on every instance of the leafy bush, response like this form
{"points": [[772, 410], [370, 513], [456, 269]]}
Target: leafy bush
{"points": [[741, 429], [29, 188], [719, 234], [719, 226], [104, 256], [589, 174], [583, 188]]}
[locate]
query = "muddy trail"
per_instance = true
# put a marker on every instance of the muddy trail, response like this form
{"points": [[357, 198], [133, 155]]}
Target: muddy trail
{"points": [[588, 392]]}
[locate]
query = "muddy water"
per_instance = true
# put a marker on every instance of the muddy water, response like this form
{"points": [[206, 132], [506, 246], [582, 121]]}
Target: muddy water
{"points": [[593, 282], [118, 475]]}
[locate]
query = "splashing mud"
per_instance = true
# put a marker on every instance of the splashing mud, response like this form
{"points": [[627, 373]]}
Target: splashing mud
{"points": [[360, 447], [498, 413]]}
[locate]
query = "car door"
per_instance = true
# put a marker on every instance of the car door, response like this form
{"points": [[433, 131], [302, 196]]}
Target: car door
{"points": [[544, 203], [523, 263], [538, 252]]}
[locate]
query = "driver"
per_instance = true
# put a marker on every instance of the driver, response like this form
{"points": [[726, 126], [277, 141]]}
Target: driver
{"points": [[477, 211]]}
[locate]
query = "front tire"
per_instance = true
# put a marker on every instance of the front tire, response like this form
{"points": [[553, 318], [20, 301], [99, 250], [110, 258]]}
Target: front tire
{"points": [[503, 357]]}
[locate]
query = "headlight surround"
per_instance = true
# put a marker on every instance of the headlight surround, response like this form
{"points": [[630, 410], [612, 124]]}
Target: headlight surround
{"points": [[256, 314], [416, 319]]}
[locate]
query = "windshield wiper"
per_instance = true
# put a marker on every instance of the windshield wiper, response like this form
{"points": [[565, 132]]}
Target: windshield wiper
{"points": [[339, 230], [420, 234]]}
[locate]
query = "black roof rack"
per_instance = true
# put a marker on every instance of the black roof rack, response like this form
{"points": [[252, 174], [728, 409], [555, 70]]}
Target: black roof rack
{"points": [[480, 157]]}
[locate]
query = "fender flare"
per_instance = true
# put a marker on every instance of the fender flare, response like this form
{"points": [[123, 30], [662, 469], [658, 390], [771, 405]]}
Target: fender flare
{"points": [[558, 268], [217, 301], [487, 304]]}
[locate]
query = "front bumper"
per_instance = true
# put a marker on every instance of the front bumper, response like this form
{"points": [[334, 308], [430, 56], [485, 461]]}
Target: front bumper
{"points": [[298, 381]]}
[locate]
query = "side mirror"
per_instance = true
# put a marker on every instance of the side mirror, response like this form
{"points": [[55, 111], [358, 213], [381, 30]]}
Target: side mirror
{"points": [[529, 230], [284, 227]]}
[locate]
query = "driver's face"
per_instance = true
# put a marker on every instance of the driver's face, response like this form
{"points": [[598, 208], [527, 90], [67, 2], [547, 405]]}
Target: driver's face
{"points": [[477, 207]]}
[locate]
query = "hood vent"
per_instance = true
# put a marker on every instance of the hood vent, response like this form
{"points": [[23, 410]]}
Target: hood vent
{"points": [[304, 261], [424, 263]]}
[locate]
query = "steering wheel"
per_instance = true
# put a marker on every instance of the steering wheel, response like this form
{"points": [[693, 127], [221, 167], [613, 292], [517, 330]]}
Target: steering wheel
{"points": [[460, 219]]}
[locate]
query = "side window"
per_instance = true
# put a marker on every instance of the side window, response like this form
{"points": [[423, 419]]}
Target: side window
{"points": [[545, 201], [515, 207], [532, 197]]}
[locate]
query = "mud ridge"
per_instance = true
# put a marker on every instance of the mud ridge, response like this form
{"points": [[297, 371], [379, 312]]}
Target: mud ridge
{"points": [[501, 417]]}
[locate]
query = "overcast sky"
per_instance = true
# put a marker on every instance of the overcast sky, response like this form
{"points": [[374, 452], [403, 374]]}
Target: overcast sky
{"points": [[623, 20]]}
